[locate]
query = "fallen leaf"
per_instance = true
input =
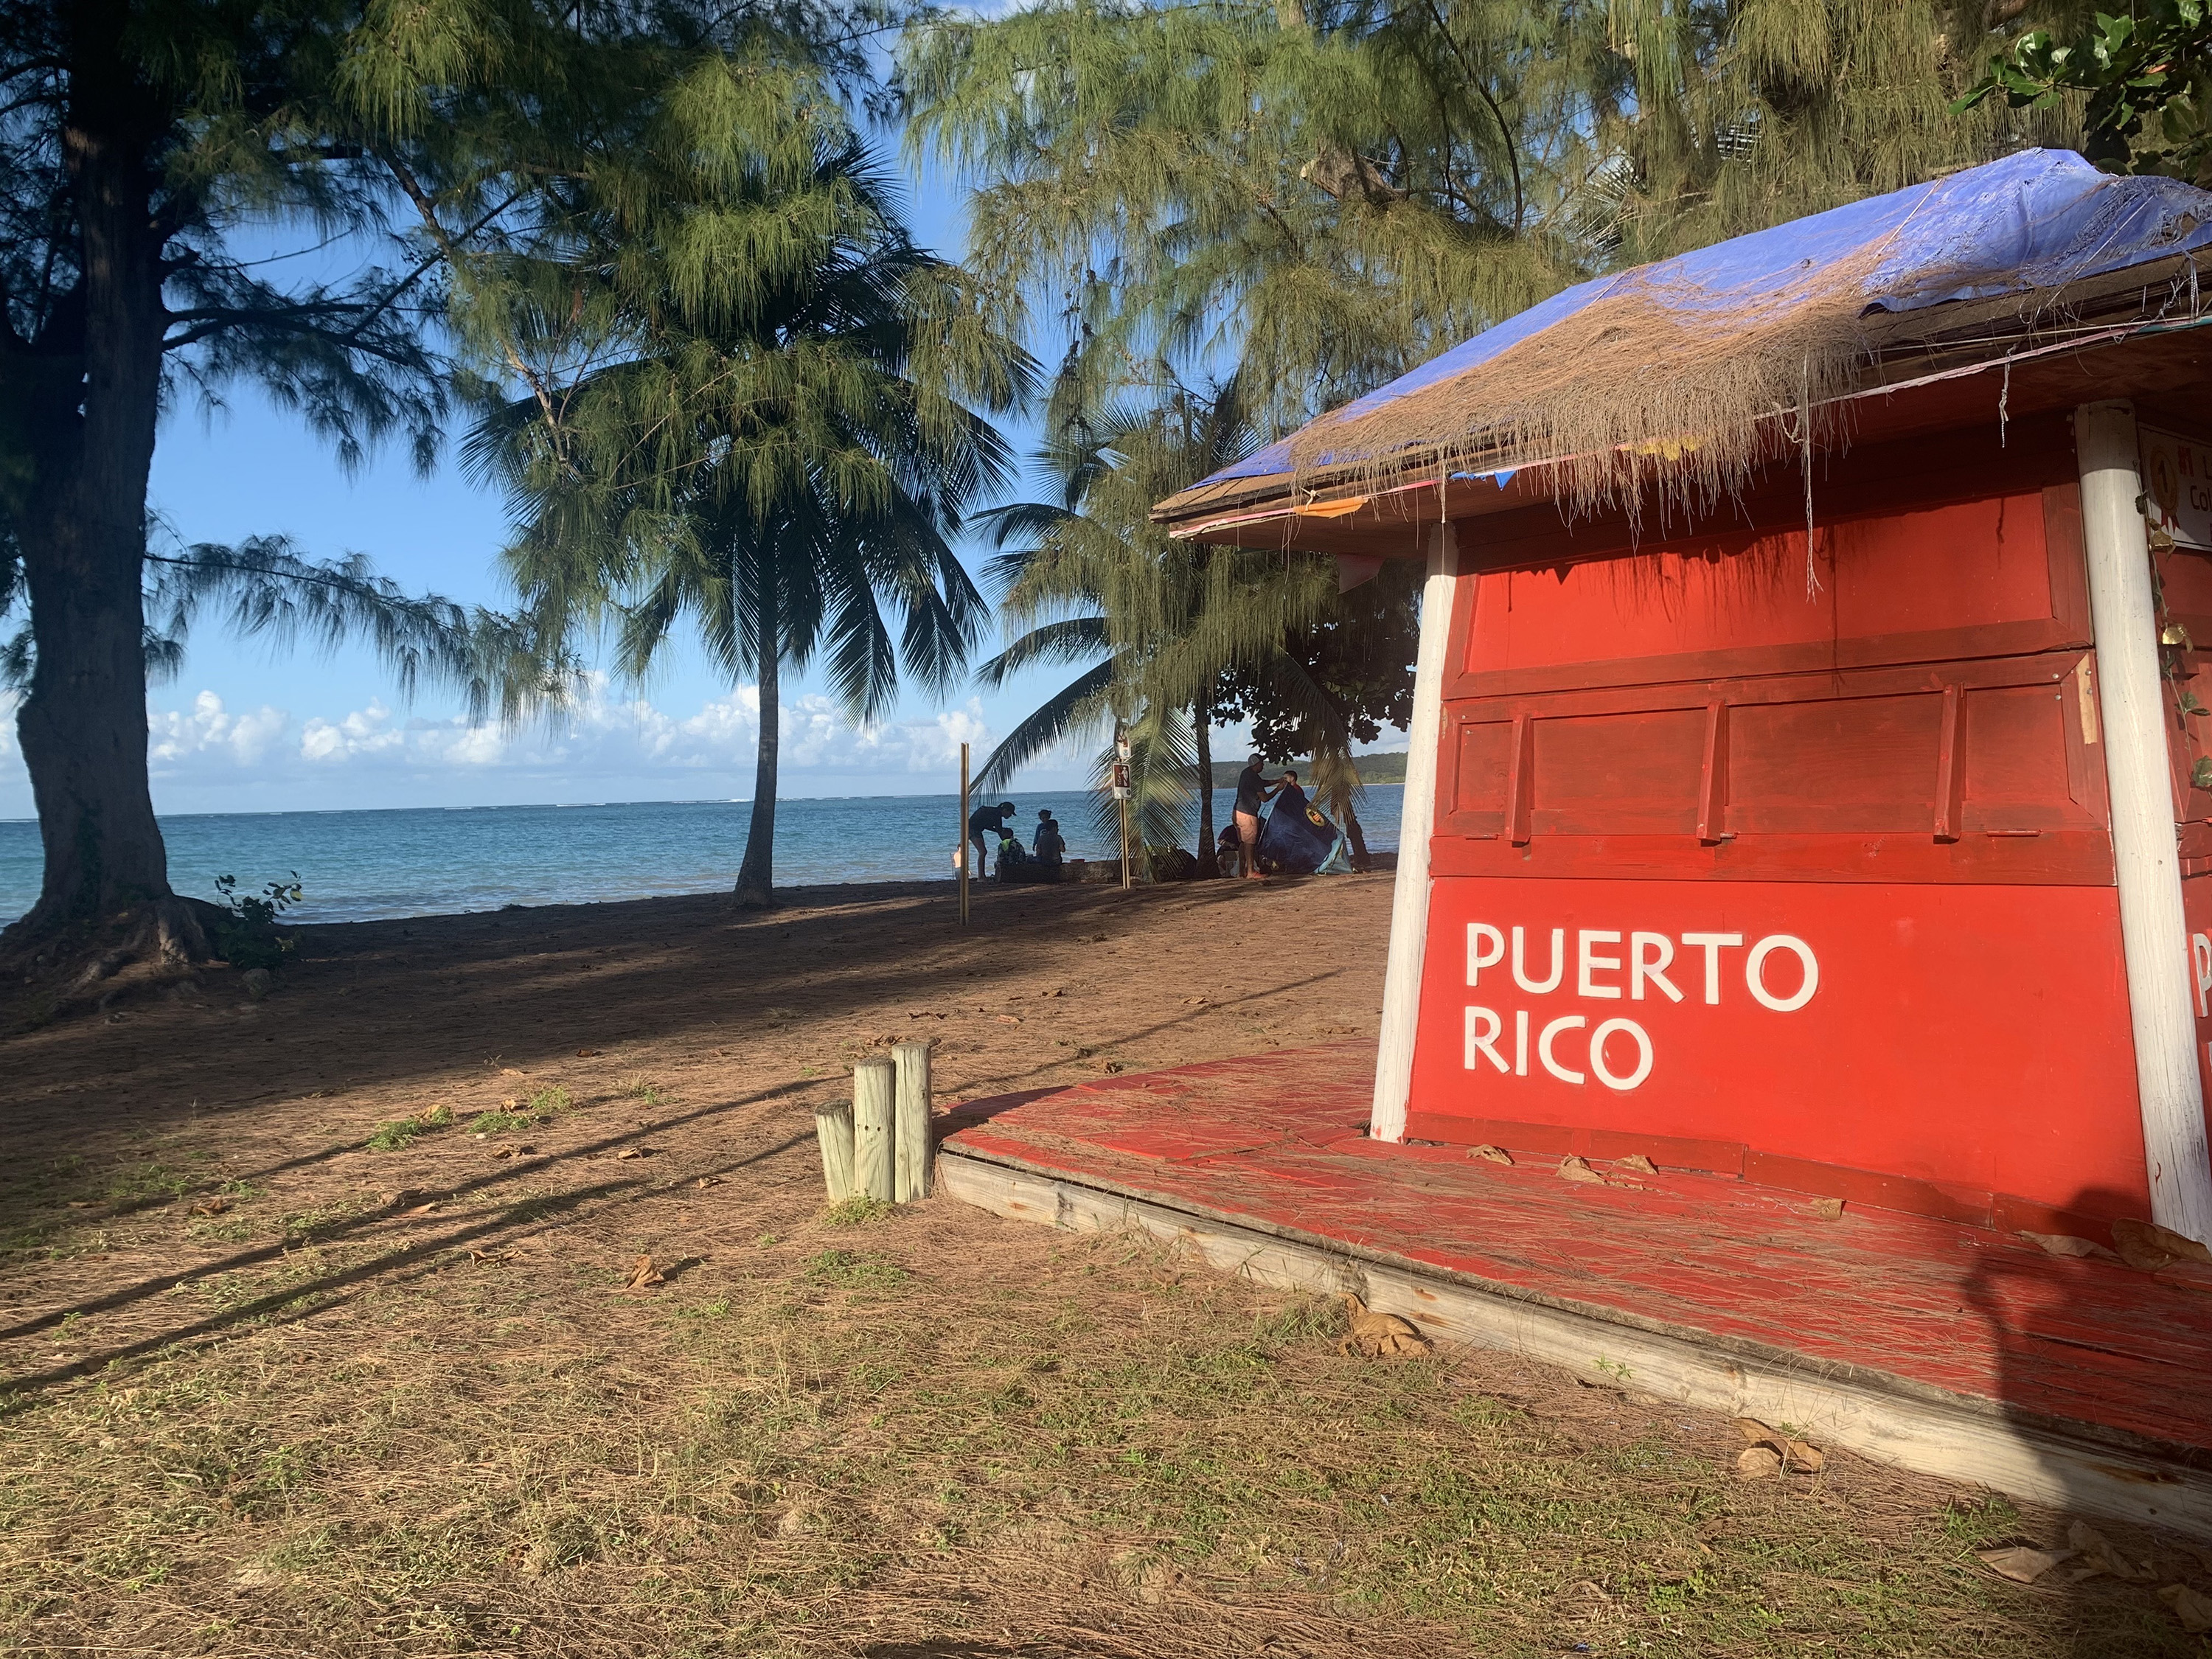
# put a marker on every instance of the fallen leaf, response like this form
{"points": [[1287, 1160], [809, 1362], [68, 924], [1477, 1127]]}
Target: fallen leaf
{"points": [[631, 1151], [1010, 1019], [2098, 1555], [2021, 1563], [585, 1054], [1805, 1456], [211, 1206], [2148, 1246], [1639, 1163], [1752, 1429], [83, 1204], [1491, 1154], [1573, 1168], [1788, 1452], [1827, 1209], [1054, 991], [1757, 1463], [2193, 1608], [705, 1182], [644, 1275], [1111, 1067], [2063, 1244], [492, 1258], [509, 1071], [1373, 1335], [423, 1209]]}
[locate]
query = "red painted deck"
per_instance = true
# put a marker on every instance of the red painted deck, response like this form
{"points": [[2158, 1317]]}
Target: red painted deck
{"points": [[1279, 1140]]}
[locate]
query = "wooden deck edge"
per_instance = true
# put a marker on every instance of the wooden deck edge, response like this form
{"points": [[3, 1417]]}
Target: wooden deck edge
{"points": [[1961, 1440]]}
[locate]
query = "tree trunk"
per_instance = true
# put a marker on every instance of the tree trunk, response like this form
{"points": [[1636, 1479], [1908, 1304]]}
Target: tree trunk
{"points": [[82, 725], [1356, 837], [756, 875], [1201, 722]]}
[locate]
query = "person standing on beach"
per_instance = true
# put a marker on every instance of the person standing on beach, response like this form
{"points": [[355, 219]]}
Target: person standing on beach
{"points": [[1253, 791], [983, 822]]}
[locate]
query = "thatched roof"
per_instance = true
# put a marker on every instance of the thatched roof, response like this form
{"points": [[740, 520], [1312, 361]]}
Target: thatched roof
{"points": [[1679, 378]]}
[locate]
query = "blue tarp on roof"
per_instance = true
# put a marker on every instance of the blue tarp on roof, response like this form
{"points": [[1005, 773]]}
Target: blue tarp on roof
{"points": [[2034, 219]]}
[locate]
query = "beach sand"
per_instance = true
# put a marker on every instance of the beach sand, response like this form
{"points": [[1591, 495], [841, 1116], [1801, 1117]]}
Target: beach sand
{"points": [[317, 1334]]}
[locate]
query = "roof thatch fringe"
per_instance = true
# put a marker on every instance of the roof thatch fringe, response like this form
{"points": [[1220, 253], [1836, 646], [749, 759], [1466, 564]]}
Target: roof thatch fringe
{"points": [[1660, 392]]}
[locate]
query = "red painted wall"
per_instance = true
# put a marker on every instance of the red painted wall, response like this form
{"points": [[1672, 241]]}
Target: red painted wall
{"points": [[1896, 766]]}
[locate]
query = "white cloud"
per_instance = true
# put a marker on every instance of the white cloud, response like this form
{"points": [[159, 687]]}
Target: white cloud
{"points": [[608, 746]]}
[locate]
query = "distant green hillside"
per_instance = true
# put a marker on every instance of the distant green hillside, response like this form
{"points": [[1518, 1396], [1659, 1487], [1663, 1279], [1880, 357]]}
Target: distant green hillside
{"points": [[1373, 768]]}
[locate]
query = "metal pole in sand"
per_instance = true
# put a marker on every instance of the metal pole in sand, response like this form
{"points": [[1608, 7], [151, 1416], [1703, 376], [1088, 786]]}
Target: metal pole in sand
{"points": [[960, 857], [874, 1160], [912, 1177], [833, 1129]]}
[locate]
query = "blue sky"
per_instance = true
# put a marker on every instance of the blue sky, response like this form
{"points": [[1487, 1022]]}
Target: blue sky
{"points": [[243, 729]]}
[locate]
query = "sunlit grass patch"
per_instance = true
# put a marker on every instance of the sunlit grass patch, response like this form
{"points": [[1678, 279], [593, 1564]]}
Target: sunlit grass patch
{"points": [[400, 1132]]}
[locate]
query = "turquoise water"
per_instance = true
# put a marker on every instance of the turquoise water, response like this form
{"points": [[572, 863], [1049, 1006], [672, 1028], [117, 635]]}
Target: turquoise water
{"points": [[420, 861]]}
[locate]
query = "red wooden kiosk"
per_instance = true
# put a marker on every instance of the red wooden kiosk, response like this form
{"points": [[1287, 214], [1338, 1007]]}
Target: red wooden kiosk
{"points": [[1807, 802]]}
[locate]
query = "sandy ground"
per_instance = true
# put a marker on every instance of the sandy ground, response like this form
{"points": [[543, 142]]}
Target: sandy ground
{"points": [[316, 1336]]}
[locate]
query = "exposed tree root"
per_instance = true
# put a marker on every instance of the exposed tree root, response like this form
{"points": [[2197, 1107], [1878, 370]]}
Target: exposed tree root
{"points": [[52, 973]]}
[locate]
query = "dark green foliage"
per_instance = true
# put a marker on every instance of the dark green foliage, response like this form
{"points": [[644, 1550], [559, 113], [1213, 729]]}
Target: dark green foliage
{"points": [[245, 935], [2147, 76]]}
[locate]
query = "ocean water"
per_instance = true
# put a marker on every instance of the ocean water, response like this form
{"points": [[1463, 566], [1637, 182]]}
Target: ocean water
{"points": [[406, 861]]}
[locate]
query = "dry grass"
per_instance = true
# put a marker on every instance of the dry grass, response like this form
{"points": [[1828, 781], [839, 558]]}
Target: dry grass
{"points": [[322, 1419]]}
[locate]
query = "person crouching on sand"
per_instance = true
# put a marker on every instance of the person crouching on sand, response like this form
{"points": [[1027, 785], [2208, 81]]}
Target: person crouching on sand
{"points": [[1253, 791], [1049, 847]]}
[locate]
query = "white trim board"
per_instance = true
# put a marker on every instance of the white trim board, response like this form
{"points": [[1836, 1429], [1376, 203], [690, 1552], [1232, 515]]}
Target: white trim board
{"points": [[1889, 1419]]}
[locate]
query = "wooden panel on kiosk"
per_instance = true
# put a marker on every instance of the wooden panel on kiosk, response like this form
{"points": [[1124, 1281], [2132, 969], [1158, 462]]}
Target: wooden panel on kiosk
{"points": [[1827, 863]]}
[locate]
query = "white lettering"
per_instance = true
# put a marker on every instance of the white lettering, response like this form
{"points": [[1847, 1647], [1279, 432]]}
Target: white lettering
{"points": [[1476, 959], [2200, 949], [1521, 1043], [1482, 1029], [1585, 963], [1570, 1023], [1558, 962], [1755, 980], [1653, 968], [1713, 944], [1635, 1032]]}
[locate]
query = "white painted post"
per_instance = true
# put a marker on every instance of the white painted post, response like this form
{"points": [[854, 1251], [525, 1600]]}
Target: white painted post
{"points": [[1409, 901], [2132, 702], [874, 1161], [911, 1179], [833, 1130]]}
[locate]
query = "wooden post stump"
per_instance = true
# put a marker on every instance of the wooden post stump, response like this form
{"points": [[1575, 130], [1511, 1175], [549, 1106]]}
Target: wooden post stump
{"points": [[833, 1129], [874, 1115], [916, 1143]]}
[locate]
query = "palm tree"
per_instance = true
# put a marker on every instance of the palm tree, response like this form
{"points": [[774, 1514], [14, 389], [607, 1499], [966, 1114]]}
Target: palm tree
{"points": [[1157, 621], [753, 404]]}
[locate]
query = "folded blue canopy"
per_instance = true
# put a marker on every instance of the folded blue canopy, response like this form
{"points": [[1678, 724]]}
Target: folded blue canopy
{"points": [[2036, 219]]}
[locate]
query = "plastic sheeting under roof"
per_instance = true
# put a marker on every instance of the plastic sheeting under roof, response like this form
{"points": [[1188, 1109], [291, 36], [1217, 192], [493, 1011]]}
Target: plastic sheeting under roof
{"points": [[2039, 219]]}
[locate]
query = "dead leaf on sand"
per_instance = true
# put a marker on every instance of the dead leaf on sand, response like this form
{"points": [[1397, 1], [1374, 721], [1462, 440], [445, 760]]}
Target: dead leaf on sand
{"points": [[1054, 991], [2150, 1246], [2064, 1244], [423, 1209], [1636, 1162], [2097, 1555], [1110, 1067], [1373, 1335], [631, 1151], [1789, 1453], [1010, 1019], [211, 1206], [1491, 1154], [1573, 1168], [586, 1054], [2193, 1608], [2021, 1563], [83, 1204], [645, 1275], [509, 1071], [1758, 1463], [493, 1258]]}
